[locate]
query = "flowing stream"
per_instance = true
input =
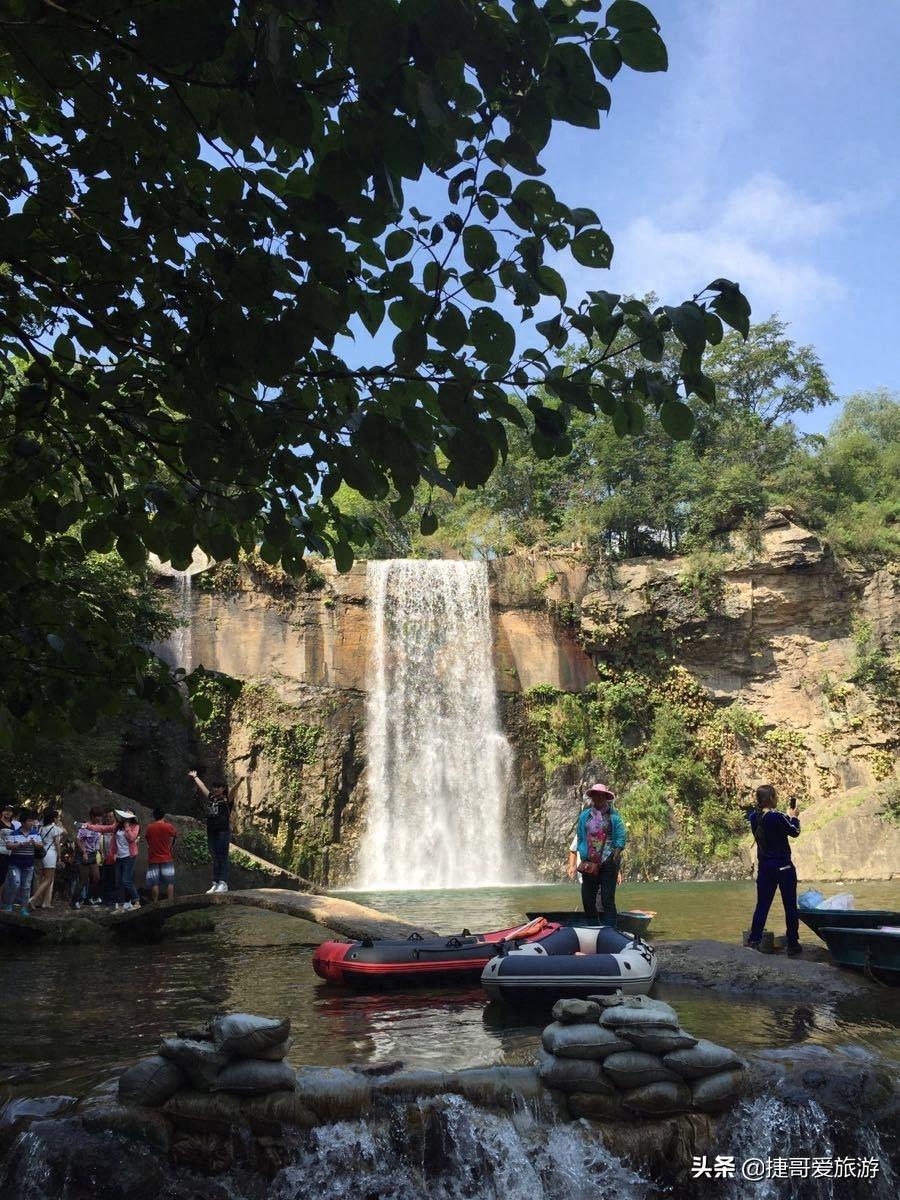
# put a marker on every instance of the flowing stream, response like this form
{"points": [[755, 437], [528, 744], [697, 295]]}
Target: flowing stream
{"points": [[438, 760]]}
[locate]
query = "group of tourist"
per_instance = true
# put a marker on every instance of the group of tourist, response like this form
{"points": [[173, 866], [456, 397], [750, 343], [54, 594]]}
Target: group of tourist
{"points": [[95, 865], [40, 860]]}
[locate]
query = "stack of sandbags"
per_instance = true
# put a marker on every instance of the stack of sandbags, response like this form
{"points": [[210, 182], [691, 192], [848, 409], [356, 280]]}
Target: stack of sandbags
{"points": [[621, 1055], [239, 1054]]}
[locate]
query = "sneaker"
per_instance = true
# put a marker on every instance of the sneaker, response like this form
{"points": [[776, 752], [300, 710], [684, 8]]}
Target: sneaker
{"points": [[23, 912], [77, 904], [221, 887], [214, 888], [95, 903], [793, 951], [752, 945]]}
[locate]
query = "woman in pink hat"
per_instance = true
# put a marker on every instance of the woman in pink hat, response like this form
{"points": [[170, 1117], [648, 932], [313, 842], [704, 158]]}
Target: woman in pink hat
{"points": [[601, 839]]}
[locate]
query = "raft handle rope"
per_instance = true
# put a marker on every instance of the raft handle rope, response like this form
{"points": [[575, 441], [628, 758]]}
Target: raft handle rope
{"points": [[867, 970], [528, 930], [415, 937]]}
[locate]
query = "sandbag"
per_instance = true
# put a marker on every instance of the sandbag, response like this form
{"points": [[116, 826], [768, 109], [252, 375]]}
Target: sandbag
{"points": [[706, 1058], [241, 1035], [595, 1106], [664, 1096], [629, 1012], [717, 1091], [581, 1041], [574, 1012], [211, 1112], [200, 1061], [275, 1053], [572, 1074], [632, 1069], [151, 1081], [254, 1078], [655, 1039]]}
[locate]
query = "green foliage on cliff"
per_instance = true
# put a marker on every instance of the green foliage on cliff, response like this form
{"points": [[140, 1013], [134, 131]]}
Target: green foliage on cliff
{"points": [[229, 712], [848, 484], [669, 753]]}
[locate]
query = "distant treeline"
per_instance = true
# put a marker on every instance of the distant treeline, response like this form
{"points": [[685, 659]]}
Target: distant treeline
{"points": [[647, 494]]}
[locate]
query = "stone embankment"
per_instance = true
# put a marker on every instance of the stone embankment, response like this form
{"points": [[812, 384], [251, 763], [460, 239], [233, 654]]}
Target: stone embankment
{"points": [[620, 1087]]}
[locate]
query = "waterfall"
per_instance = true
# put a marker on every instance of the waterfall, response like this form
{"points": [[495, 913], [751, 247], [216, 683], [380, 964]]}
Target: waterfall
{"points": [[180, 649], [438, 762]]}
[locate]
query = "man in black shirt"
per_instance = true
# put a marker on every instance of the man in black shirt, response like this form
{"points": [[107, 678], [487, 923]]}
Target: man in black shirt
{"points": [[219, 803]]}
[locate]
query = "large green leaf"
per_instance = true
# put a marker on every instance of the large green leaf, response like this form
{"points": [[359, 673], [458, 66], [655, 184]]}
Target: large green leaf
{"points": [[592, 248], [643, 50]]}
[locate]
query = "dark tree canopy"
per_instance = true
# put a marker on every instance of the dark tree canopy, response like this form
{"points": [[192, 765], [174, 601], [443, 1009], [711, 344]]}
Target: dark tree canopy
{"points": [[202, 204]]}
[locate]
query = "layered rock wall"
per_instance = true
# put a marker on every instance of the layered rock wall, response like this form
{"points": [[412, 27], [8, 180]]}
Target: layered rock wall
{"points": [[775, 626]]}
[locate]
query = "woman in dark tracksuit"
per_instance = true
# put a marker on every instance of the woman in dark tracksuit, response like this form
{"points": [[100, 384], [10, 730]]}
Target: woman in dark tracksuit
{"points": [[776, 871]]}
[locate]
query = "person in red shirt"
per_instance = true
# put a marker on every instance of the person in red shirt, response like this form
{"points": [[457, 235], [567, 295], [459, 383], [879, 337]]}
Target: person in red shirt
{"points": [[160, 835]]}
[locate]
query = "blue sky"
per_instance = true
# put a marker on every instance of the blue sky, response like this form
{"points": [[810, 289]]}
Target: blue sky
{"points": [[768, 153]]}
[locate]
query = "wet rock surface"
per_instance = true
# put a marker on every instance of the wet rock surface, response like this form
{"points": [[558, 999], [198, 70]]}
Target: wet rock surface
{"points": [[722, 966]]}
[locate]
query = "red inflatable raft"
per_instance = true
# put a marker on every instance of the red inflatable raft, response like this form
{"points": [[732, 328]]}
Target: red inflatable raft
{"points": [[416, 959]]}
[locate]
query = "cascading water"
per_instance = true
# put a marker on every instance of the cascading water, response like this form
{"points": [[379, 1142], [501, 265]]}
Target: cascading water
{"points": [[179, 646], [438, 761]]}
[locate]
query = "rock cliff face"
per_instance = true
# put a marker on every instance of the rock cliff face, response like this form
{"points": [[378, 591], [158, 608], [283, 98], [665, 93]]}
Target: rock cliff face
{"points": [[775, 626]]}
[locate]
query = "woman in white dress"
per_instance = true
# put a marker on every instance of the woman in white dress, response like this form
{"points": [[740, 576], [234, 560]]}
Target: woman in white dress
{"points": [[51, 832]]}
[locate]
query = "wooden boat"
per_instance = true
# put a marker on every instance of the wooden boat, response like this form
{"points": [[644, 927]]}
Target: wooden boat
{"points": [[876, 951], [817, 919], [634, 920]]}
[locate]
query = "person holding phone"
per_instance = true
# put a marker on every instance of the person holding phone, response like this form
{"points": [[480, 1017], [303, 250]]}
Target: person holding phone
{"points": [[775, 871]]}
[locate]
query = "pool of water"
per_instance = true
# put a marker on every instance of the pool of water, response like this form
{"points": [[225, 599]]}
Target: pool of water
{"points": [[73, 1015], [683, 910]]}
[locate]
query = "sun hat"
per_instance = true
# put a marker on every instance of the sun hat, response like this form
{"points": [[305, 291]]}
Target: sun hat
{"points": [[123, 814], [600, 789]]}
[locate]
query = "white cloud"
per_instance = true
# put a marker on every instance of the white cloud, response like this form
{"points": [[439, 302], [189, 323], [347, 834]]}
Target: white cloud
{"points": [[765, 207], [763, 235]]}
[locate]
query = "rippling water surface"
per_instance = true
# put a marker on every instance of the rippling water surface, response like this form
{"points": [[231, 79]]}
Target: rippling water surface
{"points": [[73, 1015]]}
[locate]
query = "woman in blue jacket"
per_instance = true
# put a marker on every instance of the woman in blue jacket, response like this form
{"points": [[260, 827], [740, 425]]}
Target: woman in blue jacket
{"points": [[601, 840]]}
